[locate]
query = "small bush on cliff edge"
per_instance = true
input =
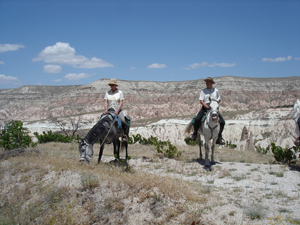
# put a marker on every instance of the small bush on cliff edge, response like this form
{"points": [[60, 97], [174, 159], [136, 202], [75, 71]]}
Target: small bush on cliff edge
{"points": [[15, 136]]}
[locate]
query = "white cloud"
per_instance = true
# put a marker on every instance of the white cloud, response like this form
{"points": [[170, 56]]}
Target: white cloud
{"points": [[196, 65], [52, 69], [94, 63], [204, 64], [58, 80], [222, 64], [76, 76], [1, 62], [297, 58], [156, 66], [8, 79], [132, 68], [278, 59], [64, 54], [10, 47]]}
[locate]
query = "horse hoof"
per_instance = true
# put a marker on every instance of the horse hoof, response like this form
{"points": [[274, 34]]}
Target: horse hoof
{"points": [[82, 160]]}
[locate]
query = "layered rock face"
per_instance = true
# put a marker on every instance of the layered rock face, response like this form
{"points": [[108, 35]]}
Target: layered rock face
{"points": [[250, 106], [146, 99]]}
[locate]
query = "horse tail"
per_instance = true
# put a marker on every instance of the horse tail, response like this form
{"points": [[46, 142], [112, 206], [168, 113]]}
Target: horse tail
{"points": [[123, 145], [189, 128]]}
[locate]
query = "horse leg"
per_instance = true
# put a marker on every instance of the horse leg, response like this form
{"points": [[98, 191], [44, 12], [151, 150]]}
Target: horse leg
{"points": [[116, 144], [206, 154], [212, 152], [126, 147], [199, 143], [100, 153]]}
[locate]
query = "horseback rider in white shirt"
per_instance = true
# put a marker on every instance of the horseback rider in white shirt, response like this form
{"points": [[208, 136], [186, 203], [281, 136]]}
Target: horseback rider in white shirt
{"points": [[205, 97], [114, 99]]}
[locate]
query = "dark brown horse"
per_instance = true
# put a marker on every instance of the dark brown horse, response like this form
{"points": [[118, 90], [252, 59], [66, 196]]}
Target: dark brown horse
{"points": [[107, 131]]}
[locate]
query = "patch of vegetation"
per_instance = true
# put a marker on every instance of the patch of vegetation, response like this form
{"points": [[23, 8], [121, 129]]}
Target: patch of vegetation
{"points": [[15, 136], [283, 155], [255, 211], [277, 174], [230, 145], [164, 148], [89, 181], [54, 137], [192, 143]]}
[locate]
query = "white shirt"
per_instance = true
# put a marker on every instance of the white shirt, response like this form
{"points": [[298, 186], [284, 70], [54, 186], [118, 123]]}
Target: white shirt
{"points": [[114, 98], [206, 94]]}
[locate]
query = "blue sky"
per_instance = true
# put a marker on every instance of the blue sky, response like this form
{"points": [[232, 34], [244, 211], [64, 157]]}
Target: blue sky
{"points": [[67, 42]]}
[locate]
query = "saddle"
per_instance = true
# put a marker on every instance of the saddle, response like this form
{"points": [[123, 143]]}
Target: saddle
{"points": [[114, 117], [202, 120]]}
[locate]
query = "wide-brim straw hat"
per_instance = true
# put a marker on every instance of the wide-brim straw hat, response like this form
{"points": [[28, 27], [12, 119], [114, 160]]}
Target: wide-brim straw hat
{"points": [[113, 82], [210, 79]]}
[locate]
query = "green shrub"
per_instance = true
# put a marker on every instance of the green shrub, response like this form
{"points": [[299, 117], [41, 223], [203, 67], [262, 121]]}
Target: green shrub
{"points": [[15, 136], [262, 150], [192, 143], [162, 147], [53, 137], [230, 145], [284, 155]]}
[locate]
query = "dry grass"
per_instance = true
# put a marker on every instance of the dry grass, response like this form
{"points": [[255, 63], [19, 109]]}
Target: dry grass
{"points": [[52, 187], [224, 154], [34, 192]]}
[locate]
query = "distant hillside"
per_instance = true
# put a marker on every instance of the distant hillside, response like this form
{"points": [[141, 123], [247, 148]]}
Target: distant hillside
{"points": [[146, 99]]}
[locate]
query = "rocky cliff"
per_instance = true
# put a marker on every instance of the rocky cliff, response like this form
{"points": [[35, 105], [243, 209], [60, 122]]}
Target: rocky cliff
{"points": [[145, 99]]}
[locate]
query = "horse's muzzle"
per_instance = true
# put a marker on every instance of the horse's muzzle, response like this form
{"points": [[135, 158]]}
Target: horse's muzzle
{"points": [[215, 117]]}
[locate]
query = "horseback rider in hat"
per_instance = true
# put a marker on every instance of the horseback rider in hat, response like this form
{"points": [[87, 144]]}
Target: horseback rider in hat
{"points": [[114, 99], [204, 98]]}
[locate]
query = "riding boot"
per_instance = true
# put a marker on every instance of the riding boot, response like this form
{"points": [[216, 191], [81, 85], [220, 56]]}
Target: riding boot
{"points": [[197, 124], [220, 140]]}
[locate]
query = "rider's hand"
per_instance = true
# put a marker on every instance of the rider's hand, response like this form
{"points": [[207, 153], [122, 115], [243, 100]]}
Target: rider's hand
{"points": [[116, 112], [105, 112]]}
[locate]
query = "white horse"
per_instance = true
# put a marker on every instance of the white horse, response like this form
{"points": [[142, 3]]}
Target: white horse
{"points": [[296, 117], [210, 128]]}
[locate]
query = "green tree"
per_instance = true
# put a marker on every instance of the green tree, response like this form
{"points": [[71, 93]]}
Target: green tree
{"points": [[15, 136]]}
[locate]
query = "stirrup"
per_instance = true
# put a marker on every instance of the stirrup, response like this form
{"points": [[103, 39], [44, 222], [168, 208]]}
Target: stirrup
{"points": [[192, 137]]}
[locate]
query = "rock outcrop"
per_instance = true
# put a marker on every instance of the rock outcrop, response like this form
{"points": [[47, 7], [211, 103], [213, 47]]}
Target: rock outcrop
{"points": [[146, 99]]}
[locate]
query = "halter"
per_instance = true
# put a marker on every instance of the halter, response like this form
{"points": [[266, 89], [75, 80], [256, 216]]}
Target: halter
{"points": [[207, 121]]}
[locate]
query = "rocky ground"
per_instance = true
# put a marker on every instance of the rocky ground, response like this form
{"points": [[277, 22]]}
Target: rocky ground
{"points": [[242, 187]]}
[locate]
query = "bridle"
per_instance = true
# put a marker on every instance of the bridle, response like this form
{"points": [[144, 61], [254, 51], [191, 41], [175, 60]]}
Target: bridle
{"points": [[211, 112]]}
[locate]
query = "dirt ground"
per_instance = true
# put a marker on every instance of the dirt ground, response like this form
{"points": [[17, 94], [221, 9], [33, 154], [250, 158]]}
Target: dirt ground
{"points": [[240, 188]]}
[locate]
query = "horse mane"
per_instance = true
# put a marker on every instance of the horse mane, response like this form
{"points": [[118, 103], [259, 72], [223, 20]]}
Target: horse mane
{"points": [[99, 129]]}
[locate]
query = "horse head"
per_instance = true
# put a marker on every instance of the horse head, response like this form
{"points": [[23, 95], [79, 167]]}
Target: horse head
{"points": [[86, 151], [214, 111]]}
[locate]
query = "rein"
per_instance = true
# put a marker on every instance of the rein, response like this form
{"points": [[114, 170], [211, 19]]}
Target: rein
{"points": [[211, 128], [108, 131]]}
